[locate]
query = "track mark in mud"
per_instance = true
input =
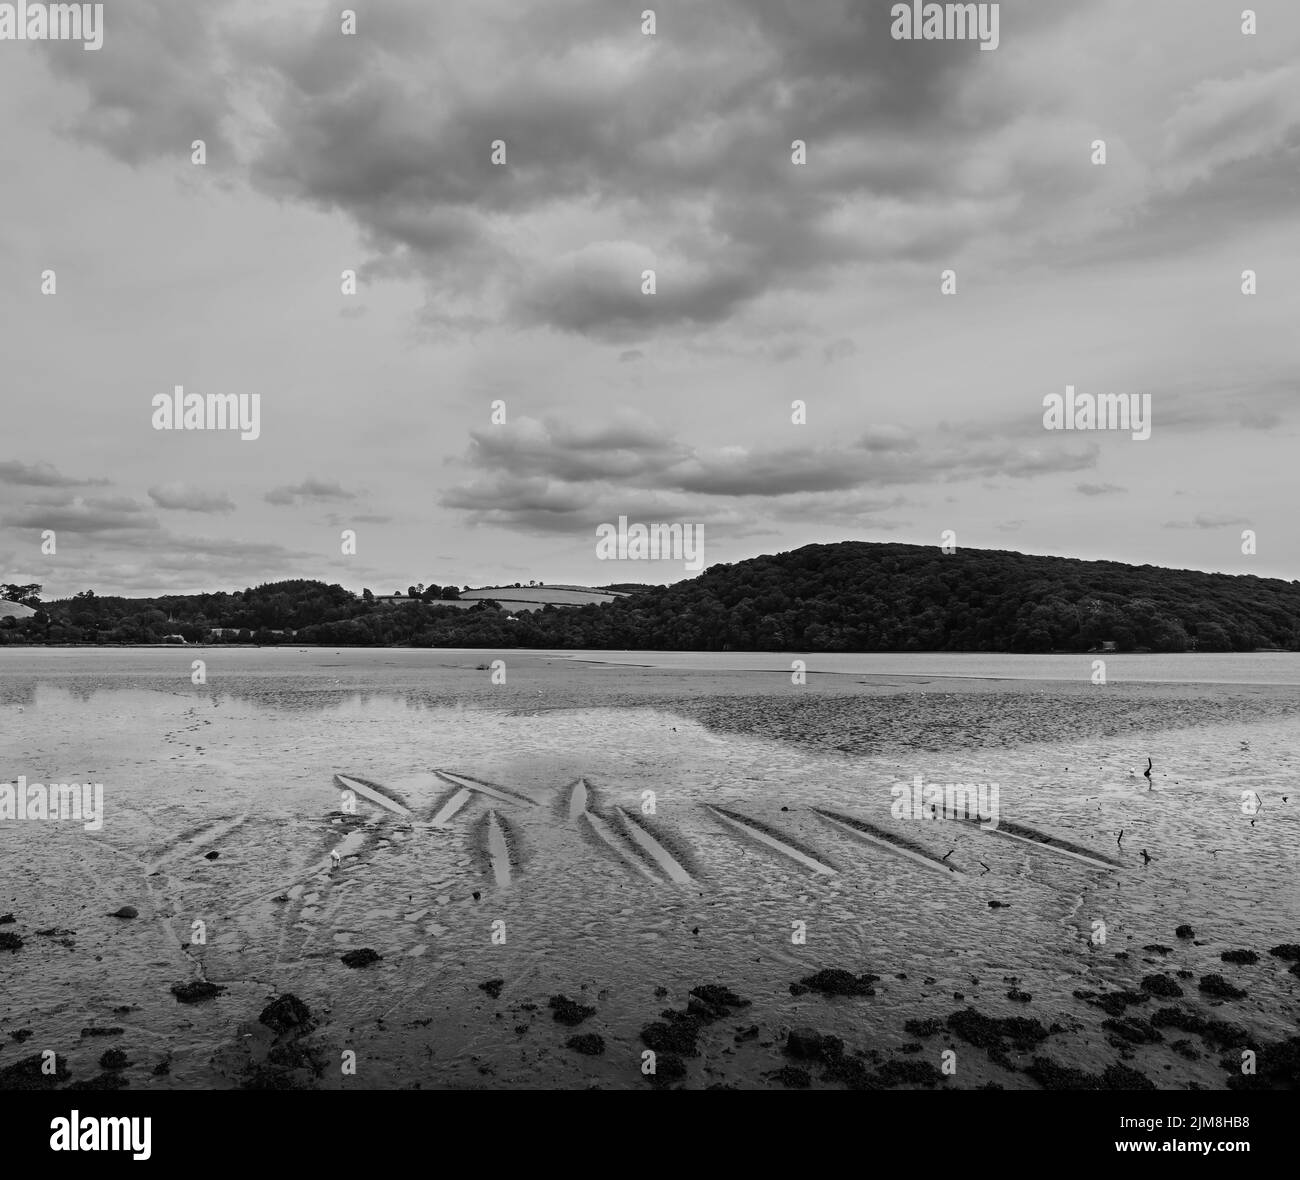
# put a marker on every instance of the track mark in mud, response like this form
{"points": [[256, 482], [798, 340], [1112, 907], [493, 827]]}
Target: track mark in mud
{"points": [[1048, 843], [607, 834], [457, 800], [656, 851], [578, 799], [372, 792], [498, 850], [760, 833], [879, 838], [195, 839], [504, 794]]}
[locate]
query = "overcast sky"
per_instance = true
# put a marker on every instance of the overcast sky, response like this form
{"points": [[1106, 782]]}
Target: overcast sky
{"points": [[522, 283]]}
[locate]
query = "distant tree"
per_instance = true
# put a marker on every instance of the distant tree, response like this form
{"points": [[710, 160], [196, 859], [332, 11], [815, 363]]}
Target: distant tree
{"points": [[28, 595], [450, 593], [366, 596]]}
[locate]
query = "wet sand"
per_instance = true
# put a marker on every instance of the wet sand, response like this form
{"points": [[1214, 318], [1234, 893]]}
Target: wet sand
{"points": [[518, 849]]}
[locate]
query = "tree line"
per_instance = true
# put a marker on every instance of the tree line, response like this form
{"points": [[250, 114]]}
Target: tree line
{"points": [[851, 596]]}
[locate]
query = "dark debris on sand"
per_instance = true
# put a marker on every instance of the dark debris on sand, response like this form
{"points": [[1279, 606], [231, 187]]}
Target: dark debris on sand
{"points": [[713, 1001], [923, 1028], [792, 1077], [492, 987], [1277, 1067], [988, 1032], [113, 1059], [1215, 1032], [669, 1068], [835, 981], [809, 1044], [1239, 956], [7, 919], [1220, 988], [195, 991], [361, 957], [1161, 985], [91, 1031], [286, 1013], [28, 1074], [1113, 1003], [127, 911], [591, 1044], [569, 1011], [1184, 931], [678, 1032], [10, 942], [1288, 952], [1051, 1075]]}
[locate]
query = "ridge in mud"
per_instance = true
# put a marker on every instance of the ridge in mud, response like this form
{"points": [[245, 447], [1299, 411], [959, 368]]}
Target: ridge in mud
{"points": [[504, 794], [445, 809], [578, 797], [616, 843], [773, 839], [499, 847], [889, 841], [653, 846], [374, 792], [1016, 831]]}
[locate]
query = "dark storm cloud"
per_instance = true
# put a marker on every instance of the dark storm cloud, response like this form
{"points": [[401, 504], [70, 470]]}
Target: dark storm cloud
{"points": [[42, 475], [109, 515], [683, 138], [547, 473]]}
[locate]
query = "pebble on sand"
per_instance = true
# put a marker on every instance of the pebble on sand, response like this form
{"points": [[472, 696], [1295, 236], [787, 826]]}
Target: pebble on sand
{"points": [[127, 911], [362, 957]]}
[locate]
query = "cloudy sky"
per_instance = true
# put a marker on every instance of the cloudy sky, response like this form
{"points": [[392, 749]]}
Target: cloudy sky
{"points": [[521, 283]]}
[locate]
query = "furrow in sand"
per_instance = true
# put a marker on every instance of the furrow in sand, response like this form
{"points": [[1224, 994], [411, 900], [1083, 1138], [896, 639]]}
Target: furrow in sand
{"points": [[1050, 844], [453, 805], [498, 850], [473, 784], [757, 833], [351, 784], [578, 799], [606, 833], [197, 840], [861, 830], [658, 853]]}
